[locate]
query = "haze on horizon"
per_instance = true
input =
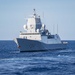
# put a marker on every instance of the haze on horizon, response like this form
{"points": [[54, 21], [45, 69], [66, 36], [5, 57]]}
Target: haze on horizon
{"points": [[13, 14]]}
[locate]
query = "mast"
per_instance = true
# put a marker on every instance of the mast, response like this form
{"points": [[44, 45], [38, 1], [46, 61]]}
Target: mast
{"points": [[34, 12]]}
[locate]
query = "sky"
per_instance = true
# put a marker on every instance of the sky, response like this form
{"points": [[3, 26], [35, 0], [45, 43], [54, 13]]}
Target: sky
{"points": [[61, 13]]}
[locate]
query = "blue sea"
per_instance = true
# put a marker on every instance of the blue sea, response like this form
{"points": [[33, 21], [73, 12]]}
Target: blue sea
{"points": [[56, 62]]}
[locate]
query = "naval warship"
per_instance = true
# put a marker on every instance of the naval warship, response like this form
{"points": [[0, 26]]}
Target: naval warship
{"points": [[36, 37]]}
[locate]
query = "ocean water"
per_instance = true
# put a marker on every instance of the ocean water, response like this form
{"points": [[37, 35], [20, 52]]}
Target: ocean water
{"points": [[56, 62]]}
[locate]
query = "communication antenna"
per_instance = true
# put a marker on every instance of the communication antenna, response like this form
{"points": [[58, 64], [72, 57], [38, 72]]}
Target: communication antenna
{"points": [[53, 29], [57, 28], [43, 14]]}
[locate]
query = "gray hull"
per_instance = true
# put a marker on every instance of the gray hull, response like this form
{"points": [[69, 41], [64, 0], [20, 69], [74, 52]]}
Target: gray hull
{"points": [[31, 45]]}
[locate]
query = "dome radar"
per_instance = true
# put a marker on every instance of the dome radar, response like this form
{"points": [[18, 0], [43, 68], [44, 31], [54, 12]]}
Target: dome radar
{"points": [[25, 27]]}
